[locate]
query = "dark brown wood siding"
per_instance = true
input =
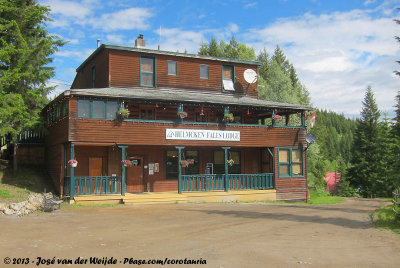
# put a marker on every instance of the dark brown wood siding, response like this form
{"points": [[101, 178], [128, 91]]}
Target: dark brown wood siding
{"points": [[83, 77], [102, 131], [125, 72], [290, 188]]}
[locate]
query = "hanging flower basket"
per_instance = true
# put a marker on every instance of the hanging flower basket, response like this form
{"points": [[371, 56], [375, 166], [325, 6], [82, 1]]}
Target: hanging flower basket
{"points": [[186, 162], [277, 116], [228, 118], [230, 162], [126, 163], [73, 163], [182, 115], [123, 113]]}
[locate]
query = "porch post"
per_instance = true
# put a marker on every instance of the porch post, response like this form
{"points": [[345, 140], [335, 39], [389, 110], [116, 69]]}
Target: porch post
{"points": [[71, 173], [123, 147], [303, 119], [179, 168], [180, 109], [226, 167], [273, 120]]}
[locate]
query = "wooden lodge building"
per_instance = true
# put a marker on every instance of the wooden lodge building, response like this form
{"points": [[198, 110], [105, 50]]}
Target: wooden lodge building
{"points": [[138, 120]]}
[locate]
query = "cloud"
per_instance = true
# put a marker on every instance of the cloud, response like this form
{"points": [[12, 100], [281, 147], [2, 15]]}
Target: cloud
{"points": [[252, 4], [126, 19], [115, 39], [65, 14], [173, 39], [337, 55], [69, 8]]}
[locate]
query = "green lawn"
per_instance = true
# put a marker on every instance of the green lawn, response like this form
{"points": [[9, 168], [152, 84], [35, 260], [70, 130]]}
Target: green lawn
{"points": [[385, 218], [322, 198]]}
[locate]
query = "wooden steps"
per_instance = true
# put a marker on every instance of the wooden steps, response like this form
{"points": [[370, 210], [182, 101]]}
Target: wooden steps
{"points": [[186, 197]]}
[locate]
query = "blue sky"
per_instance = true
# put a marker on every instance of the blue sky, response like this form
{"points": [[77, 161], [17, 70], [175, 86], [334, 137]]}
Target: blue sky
{"points": [[338, 47]]}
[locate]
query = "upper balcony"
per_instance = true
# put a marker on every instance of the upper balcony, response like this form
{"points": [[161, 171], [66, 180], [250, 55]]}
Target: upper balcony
{"points": [[92, 117]]}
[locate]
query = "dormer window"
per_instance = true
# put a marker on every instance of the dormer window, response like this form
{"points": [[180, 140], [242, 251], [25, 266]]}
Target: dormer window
{"points": [[228, 77]]}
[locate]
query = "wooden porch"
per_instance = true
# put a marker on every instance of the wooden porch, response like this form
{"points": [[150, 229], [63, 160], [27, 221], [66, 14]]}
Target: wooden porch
{"points": [[148, 198]]}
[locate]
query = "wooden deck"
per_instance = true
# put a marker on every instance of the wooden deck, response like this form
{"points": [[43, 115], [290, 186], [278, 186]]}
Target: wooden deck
{"points": [[174, 197]]}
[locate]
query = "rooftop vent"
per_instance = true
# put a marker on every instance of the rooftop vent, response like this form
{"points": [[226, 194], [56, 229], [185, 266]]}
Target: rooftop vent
{"points": [[140, 42]]}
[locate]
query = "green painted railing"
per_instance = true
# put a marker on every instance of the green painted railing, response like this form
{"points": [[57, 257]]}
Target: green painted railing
{"points": [[203, 182], [251, 181], [94, 185], [212, 182]]}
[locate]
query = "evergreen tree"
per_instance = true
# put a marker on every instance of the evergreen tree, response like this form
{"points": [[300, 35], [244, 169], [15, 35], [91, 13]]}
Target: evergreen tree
{"points": [[25, 49], [398, 39], [395, 175], [365, 172]]}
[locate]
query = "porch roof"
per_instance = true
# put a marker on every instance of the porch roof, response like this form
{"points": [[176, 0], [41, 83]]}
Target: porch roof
{"points": [[184, 96]]}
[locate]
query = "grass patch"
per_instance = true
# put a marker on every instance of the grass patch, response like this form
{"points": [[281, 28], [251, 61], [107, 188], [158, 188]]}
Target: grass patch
{"points": [[17, 188], [5, 194], [385, 218], [323, 198]]}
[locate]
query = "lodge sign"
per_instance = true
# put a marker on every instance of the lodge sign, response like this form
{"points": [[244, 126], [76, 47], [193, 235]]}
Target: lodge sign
{"points": [[201, 135]]}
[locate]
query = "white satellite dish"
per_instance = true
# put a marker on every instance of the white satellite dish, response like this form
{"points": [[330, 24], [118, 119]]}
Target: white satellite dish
{"points": [[250, 76]]}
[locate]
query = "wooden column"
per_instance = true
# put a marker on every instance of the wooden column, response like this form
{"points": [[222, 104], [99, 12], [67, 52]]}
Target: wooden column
{"points": [[123, 147], [273, 120], [226, 167], [303, 119], [180, 109], [71, 171], [180, 148]]}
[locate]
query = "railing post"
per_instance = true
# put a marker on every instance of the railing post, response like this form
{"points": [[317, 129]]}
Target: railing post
{"points": [[72, 179], [123, 147], [179, 168], [226, 167]]}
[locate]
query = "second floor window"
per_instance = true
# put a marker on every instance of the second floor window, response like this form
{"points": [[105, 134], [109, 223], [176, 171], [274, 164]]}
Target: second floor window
{"points": [[203, 70], [147, 72], [172, 68], [228, 77]]}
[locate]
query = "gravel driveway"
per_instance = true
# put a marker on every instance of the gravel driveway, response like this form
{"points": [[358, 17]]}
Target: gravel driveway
{"points": [[223, 235]]}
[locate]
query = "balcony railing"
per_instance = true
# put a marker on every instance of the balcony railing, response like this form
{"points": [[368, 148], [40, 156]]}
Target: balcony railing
{"points": [[94, 185], [213, 182]]}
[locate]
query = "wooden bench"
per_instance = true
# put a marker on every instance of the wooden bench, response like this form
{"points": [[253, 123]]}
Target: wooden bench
{"points": [[49, 202]]}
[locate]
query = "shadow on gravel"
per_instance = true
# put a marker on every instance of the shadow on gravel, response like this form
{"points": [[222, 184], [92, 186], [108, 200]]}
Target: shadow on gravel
{"points": [[343, 222], [341, 209]]}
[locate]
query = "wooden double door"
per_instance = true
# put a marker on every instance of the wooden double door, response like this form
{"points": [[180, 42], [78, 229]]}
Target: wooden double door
{"points": [[134, 175]]}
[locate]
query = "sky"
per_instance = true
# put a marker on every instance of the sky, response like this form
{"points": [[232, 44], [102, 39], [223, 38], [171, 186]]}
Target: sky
{"points": [[338, 48]]}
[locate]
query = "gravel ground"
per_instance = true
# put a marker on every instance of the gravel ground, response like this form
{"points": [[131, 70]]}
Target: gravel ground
{"points": [[223, 235]]}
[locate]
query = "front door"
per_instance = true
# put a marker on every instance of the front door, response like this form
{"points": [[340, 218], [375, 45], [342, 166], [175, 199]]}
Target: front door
{"points": [[95, 166], [134, 178]]}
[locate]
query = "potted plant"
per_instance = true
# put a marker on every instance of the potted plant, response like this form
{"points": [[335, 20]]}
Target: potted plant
{"points": [[230, 162], [126, 163], [73, 163], [228, 117], [123, 113], [182, 114]]}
